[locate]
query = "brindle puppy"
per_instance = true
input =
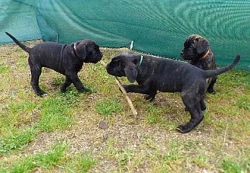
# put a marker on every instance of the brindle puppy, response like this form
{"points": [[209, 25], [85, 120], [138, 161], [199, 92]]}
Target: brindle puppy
{"points": [[66, 59], [160, 74], [198, 53]]}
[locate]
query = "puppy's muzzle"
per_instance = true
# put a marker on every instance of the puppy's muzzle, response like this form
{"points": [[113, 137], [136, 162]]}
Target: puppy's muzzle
{"points": [[112, 70], [109, 69], [96, 57]]}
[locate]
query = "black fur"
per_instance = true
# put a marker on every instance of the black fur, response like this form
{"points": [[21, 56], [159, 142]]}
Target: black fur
{"points": [[66, 59], [165, 75]]}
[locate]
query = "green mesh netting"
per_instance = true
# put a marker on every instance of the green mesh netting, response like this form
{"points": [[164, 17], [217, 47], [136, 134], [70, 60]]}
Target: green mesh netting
{"points": [[158, 27]]}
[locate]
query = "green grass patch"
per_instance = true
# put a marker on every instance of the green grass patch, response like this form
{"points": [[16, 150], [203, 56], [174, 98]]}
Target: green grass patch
{"points": [[81, 163], [51, 158], [235, 78], [70, 97], [55, 114], [16, 140], [202, 161], [154, 115], [23, 61], [17, 113], [243, 102], [57, 81], [108, 106], [4, 69], [230, 165], [45, 161], [55, 158], [22, 106]]}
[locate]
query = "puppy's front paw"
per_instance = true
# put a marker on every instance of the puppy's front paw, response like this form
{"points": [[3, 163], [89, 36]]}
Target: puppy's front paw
{"points": [[125, 88], [63, 89], [185, 128], [211, 91], [42, 94], [84, 90], [149, 97]]}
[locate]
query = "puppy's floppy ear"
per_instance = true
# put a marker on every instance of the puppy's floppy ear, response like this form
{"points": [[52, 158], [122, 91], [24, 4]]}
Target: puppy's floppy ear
{"points": [[202, 46], [131, 73], [79, 50]]}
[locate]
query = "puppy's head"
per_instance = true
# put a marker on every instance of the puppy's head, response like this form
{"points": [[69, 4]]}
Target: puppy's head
{"points": [[122, 65], [88, 51], [195, 47]]}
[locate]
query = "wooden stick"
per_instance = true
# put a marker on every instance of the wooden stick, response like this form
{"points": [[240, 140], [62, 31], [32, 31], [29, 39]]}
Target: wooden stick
{"points": [[124, 92], [127, 97]]}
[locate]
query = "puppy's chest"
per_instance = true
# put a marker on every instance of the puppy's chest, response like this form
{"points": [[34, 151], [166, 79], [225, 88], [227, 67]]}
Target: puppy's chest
{"points": [[74, 65], [70, 62]]}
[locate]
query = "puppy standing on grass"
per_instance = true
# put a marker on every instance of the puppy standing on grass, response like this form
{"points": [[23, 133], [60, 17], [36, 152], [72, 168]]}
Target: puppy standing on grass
{"points": [[64, 58], [198, 53], [159, 74]]}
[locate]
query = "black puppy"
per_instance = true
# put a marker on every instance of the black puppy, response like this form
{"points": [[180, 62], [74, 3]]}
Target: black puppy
{"points": [[198, 53], [64, 58], [167, 75]]}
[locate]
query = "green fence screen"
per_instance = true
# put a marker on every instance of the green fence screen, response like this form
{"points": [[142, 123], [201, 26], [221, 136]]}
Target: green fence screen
{"points": [[158, 27]]}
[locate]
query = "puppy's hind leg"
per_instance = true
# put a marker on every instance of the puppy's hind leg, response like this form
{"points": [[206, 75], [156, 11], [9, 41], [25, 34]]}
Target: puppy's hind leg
{"points": [[196, 118], [35, 74], [203, 105], [194, 108], [210, 88]]}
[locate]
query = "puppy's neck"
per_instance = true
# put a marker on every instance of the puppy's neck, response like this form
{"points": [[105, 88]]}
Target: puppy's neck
{"points": [[74, 51], [140, 62], [205, 55]]}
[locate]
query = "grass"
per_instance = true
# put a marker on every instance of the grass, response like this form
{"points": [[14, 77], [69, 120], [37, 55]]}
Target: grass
{"points": [[55, 114], [16, 140], [45, 161], [229, 165], [61, 133], [108, 106], [154, 114], [55, 159]]}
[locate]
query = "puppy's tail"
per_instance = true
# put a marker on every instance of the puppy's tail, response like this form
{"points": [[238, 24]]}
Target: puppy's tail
{"points": [[25, 48], [212, 73]]}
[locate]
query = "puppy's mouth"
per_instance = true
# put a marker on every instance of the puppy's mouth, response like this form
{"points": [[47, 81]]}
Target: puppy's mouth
{"points": [[93, 60], [186, 56]]}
